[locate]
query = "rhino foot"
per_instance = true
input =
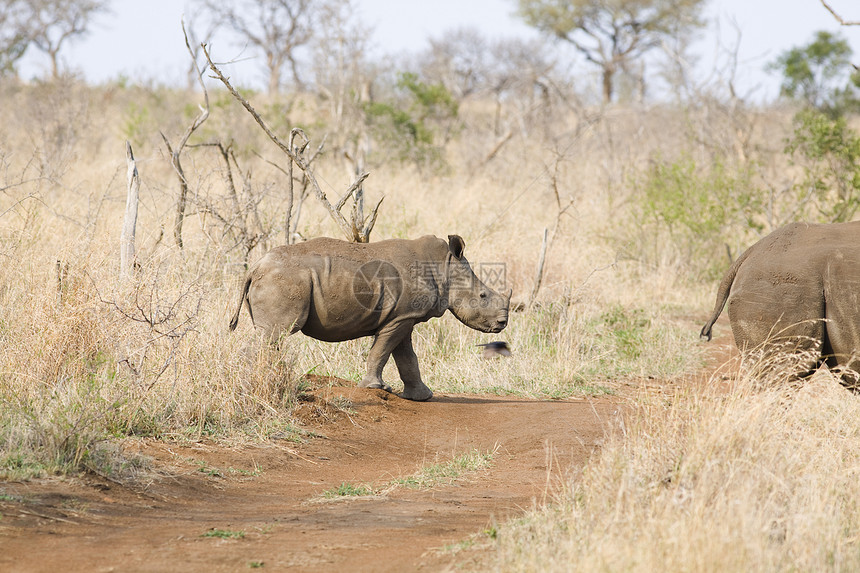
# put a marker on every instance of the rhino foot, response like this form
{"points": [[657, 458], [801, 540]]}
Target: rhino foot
{"points": [[418, 394]]}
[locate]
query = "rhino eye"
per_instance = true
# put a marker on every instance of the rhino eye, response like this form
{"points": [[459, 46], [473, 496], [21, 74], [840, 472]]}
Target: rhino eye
{"points": [[483, 295]]}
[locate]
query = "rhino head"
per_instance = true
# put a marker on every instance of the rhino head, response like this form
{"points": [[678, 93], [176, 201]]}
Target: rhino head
{"points": [[473, 303]]}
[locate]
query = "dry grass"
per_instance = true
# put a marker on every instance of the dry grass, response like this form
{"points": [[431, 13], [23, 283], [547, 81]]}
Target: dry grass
{"points": [[87, 362], [736, 476], [756, 477]]}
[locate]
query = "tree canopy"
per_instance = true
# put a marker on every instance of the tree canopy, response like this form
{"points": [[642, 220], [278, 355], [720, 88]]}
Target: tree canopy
{"points": [[45, 24], [611, 33], [278, 28], [820, 74]]}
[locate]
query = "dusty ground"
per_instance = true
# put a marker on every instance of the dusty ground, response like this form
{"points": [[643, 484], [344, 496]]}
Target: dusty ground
{"points": [[272, 494]]}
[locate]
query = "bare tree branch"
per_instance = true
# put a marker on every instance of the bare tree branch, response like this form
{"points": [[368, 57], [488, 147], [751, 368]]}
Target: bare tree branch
{"points": [[358, 230], [294, 201], [176, 152], [540, 267], [838, 17]]}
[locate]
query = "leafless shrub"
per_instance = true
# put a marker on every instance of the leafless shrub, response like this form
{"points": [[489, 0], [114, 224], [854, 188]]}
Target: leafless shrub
{"points": [[359, 226], [345, 78], [562, 208], [159, 310], [277, 28], [238, 213]]}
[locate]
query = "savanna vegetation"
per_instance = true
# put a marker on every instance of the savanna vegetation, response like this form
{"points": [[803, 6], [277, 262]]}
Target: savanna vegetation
{"points": [[611, 215]]}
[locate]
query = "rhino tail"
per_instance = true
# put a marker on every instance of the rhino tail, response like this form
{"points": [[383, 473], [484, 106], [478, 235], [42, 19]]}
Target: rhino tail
{"points": [[723, 293], [243, 296]]}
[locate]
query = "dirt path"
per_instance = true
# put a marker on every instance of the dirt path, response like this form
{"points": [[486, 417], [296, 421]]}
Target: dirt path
{"points": [[271, 494]]}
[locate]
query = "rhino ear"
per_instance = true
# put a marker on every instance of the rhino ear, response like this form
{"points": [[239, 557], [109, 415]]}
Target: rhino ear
{"points": [[456, 244]]}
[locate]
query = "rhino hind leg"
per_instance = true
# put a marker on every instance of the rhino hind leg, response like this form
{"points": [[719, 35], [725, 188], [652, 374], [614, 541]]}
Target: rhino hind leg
{"points": [[407, 365], [396, 340], [375, 365], [795, 350], [783, 338], [841, 351]]}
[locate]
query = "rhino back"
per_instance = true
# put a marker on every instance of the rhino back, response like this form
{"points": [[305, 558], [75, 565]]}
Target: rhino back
{"points": [[798, 253]]}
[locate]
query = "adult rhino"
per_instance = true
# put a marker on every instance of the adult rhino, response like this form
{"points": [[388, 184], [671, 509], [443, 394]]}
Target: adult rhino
{"points": [[333, 290], [797, 289]]}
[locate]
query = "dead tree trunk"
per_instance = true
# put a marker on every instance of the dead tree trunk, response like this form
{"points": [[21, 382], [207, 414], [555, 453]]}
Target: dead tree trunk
{"points": [[129, 225]]}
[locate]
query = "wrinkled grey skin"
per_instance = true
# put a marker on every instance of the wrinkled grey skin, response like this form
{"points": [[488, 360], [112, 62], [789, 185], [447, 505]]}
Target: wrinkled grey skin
{"points": [[320, 288], [799, 286]]}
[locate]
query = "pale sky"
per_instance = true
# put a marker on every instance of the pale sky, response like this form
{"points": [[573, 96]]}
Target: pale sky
{"points": [[144, 38]]}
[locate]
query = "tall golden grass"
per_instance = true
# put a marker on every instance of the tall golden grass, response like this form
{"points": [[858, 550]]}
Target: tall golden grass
{"points": [[735, 476]]}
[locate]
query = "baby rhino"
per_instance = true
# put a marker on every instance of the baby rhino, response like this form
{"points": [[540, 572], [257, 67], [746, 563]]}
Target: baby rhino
{"points": [[333, 290]]}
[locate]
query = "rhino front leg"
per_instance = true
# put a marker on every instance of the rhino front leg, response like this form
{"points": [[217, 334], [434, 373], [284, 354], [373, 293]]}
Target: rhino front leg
{"points": [[384, 343], [407, 364]]}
